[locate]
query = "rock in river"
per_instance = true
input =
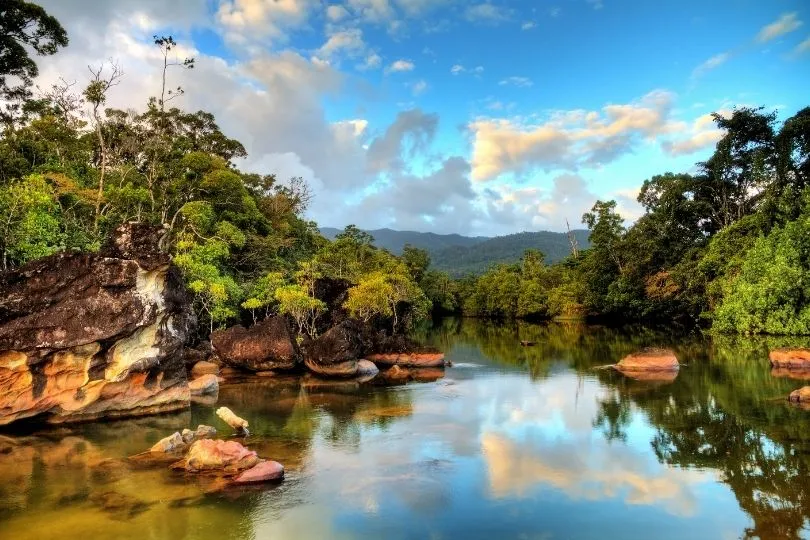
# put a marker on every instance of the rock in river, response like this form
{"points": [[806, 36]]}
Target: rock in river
{"points": [[802, 395], [205, 385], [92, 335], [240, 425], [267, 345], [790, 358], [649, 360], [266, 471], [429, 359], [217, 455], [204, 367], [335, 352]]}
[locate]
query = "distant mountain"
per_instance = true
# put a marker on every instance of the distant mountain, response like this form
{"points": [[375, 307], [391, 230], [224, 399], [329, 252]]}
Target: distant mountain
{"points": [[394, 241], [461, 255], [461, 260]]}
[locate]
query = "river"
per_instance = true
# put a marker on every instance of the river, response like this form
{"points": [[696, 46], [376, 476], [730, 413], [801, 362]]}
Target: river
{"points": [[513, 442]]}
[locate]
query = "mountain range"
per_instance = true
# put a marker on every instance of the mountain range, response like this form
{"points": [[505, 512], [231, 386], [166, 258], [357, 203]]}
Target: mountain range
{"points": [[461, 255]]}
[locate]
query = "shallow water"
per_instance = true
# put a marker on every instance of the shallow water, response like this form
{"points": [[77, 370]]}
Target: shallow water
{"points": [[514, 442]]}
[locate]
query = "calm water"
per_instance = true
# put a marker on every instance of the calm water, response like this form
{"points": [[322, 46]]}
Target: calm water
{"points": [[512, 443]]}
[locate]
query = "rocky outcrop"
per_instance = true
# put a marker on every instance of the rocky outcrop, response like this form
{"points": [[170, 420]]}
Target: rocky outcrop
{"points": [[649, 360], [218, 455], [265, 346], [790, 358], [91, 335], [206, 385]]}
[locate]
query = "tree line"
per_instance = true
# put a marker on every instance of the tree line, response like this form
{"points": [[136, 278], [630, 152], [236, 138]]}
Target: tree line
{"points": [[727, 246]]}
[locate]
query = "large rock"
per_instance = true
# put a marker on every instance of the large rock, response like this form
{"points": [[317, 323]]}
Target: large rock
{"points": [[204, 368], [266, 471], [240, 425], [335, 352], [414, 359], [265, 346], [91, 335], [649, 360], [218, 455], [790, 358], [205, 385]]}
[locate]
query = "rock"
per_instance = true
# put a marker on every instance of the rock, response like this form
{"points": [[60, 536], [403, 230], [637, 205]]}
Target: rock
{"points": [[267, 345], [202, 352], [426, 374], [397, 374], [366, 370], [266, 471], [802, 374], [802, 395], [119, 504], [649, 360], [335, 352], [172, 443], [240, 425], [202, 432], [217, 455], [91, 335], [204, 386], [415, 359], [790, 358], [204, 368]]}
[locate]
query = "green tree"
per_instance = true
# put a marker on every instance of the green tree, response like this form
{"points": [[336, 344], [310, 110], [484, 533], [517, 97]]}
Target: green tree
{"points": [[295, 301]]}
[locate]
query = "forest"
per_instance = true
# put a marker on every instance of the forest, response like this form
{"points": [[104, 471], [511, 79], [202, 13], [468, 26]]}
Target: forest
{"points": [[725, 247]]}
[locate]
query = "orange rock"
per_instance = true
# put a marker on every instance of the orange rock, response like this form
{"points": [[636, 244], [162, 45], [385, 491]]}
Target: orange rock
{"points": [[426, 359], [214, 455], [802, 395], [204, 368], [397, 374], [427, 374], [649, 360], [790, 358], [266, 471], [205, 385], [801, 374]]}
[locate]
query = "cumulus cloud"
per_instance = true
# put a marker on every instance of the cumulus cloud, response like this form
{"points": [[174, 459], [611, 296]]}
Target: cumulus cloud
{"points": [[487, 13], [336, 13], [262, 18], [399, 66], [703, 134], [786, 23], [349, 41], [411, 132], [568, 139]]}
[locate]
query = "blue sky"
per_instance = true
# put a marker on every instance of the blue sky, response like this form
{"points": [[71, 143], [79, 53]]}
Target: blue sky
{"points": [[461, 116]]}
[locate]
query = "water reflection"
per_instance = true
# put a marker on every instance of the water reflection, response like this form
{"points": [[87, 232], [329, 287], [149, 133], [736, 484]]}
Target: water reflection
{"points": [[514, 442]]}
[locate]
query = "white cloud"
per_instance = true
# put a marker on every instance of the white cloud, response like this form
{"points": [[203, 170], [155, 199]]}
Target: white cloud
{"points": [[372, 61], [457, 69], [528, 25], [520, 82], [372, 10], [400, 66], [336, 13], [803, 47], [710, 64], [419, 87], [555, 11], [702, 134], [349, 41], [597, 4], [786, 23], [487, 13], [568, 139], [262, 18]]}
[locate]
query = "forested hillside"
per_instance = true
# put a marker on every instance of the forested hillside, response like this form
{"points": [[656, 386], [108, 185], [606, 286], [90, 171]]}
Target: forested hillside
{"points": [[395, 241]]}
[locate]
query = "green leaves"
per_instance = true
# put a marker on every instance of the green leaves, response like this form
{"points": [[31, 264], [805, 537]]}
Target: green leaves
{"points": [[29, 221]]}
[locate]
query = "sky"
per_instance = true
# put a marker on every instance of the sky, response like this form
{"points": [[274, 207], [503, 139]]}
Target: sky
{"points": [[455, 116]]}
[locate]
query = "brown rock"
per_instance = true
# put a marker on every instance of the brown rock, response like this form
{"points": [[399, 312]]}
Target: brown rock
{"points": [[334, 353], [802, 395], [217, 455], [790, 358], [415, 359], [267, 345], [266, 471], [397, 374], [206, 385], [342, 369], [240, 425], [801, 374], [85, 336], [171, 443], [427, 374], [649, 360], [204, 368]]}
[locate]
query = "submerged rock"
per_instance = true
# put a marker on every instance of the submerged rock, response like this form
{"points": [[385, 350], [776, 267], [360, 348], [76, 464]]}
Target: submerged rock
{"points": [[649, 360], [802, 395], [240, 425], [217, 455], [790, 358], [92, 335], [120, 505], [266, 471], [267, 345], [397, 374], [205, 385]]}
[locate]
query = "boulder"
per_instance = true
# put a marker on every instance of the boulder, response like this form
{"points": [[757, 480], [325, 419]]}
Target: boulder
{"points": [[240, 425], [334, 353], [790, 358], [94, 335], [267, 345], [366, 370], [802, 395], [649, 360], [172, 443], [199, 353], [414, 359], [204, 368], [266, 471], [206, 385], [217, 455]]}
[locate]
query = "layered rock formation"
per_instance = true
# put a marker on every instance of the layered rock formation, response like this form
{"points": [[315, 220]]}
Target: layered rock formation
{"points": [[90, 335], [790, 358]]}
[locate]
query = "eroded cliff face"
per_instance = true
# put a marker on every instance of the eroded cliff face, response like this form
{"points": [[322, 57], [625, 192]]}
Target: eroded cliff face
{"points": [[86, 336]]}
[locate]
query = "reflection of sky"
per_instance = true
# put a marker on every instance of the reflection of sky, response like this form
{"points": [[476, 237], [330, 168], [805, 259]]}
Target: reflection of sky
{"points": [[492, 453]]}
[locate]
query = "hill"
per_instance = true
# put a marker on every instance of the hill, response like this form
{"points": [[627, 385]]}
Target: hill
{"points": [[394, 241], [461, 255]]}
